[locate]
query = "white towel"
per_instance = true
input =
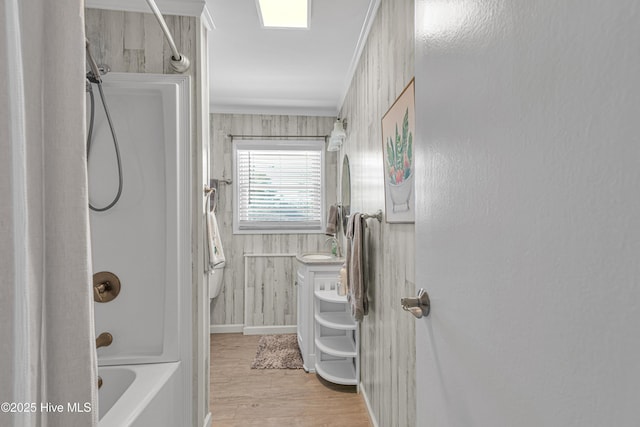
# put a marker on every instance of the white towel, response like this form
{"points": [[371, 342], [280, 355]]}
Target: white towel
{"points": [[214, 244]]}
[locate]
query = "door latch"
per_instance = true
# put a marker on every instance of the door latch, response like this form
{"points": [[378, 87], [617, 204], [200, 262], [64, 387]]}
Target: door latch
{"points": [[419, 306]]}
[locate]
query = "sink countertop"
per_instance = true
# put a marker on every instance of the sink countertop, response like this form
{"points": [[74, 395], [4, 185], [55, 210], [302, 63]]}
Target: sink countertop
{"points": [[318, 258]]}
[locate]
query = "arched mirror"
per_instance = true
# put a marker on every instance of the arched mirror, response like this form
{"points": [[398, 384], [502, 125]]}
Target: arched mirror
{"points": [[345, 193]]}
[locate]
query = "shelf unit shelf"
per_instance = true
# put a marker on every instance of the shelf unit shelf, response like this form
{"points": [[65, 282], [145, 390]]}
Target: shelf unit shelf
{"points": [[336, 320], [330, 296], [338, 346], [337, 371]]}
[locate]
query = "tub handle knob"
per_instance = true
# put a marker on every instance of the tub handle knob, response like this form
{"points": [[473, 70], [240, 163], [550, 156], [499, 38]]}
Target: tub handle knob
{"points": [[106, 286], [99, 290]]}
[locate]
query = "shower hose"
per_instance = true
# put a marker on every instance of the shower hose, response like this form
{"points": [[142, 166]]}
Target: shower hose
{"points": [[115, 141]]}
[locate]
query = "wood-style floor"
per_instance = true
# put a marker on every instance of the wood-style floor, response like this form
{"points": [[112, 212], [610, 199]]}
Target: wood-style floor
{"points": [[241, 396]]}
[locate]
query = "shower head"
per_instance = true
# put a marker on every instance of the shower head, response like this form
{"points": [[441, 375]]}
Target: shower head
{"points": [[95, 71]]}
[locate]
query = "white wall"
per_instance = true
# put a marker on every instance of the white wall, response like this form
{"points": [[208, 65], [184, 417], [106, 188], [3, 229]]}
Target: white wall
{"points": [[528, 120]]}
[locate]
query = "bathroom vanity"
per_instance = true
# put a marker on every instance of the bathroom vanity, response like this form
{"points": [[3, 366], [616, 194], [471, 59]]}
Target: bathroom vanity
{"points": [[327, 333]]}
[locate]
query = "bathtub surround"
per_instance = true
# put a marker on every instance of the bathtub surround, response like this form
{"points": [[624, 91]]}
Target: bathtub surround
{"points": [[134, 42], [258, 295], [387, 333], [46, 316], [145, 241]]}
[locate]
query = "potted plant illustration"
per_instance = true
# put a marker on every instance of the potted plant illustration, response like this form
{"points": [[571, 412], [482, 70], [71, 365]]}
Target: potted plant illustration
{"points": [[399, 165]]}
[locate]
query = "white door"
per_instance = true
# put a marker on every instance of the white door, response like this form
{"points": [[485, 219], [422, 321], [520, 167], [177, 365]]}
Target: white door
{"points": [[528, 212]]}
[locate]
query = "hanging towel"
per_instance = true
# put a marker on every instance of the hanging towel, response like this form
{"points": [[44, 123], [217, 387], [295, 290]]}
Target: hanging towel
{"points": [[357, 291], [332, 220], [343, 276], [343, 286], [214, 244]]}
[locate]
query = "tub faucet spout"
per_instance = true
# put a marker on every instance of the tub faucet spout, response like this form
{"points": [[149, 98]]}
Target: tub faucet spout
{"points": [[104, 339]]}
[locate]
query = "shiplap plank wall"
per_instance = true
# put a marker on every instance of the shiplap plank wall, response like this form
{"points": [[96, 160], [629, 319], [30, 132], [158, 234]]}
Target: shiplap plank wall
{"points": [[270, 292], [228, 307], [132, 42], [388, 332]]}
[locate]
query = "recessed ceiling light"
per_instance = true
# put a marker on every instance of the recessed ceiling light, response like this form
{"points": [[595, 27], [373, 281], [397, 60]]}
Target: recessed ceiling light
{"points": [[284, 13]]}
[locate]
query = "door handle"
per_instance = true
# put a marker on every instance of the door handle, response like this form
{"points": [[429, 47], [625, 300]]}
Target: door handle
{"points": [[419, 306]]}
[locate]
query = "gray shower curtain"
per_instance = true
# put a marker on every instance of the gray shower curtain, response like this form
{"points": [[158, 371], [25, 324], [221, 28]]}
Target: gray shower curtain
{"points": [[47, 347]]}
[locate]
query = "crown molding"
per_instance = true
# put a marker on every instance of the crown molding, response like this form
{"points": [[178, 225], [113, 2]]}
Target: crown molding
{"points": [[362, 41], [273, 110]]}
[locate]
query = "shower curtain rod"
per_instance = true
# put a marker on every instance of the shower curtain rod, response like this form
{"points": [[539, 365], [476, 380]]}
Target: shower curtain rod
{"points": [[179, 62], [276, 136]]}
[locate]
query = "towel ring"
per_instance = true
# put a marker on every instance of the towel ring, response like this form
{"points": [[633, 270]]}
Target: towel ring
{"points": [[208, 192]]}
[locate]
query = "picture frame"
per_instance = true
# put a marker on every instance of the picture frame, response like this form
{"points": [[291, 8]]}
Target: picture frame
{"points": [[398, 130]]}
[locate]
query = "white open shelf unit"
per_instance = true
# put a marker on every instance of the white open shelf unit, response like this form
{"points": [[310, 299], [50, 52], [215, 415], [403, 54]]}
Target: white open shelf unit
{"points": [[336, 337]]}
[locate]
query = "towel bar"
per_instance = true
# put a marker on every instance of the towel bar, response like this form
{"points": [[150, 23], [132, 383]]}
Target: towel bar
{"points": [[224, 181], [377, 215]]}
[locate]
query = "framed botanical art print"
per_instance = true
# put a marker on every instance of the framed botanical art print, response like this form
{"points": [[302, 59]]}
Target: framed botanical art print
{"points": [[398, 130]]}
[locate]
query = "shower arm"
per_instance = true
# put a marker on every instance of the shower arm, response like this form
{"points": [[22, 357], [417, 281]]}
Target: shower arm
{"points": [[95, 70], [179, 62]]}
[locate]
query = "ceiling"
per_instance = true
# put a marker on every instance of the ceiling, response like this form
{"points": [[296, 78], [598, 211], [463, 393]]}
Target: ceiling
{"points": [[255, 70]]}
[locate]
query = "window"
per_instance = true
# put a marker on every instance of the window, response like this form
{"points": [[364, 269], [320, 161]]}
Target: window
{"points": [[278, 186]]}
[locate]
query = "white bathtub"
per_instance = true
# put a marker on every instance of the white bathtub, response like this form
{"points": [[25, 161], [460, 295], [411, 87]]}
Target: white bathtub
{"points": [[139, 395]]}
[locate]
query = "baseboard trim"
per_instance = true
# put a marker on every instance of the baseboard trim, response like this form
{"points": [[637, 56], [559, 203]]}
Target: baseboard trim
{"points": [[226, 329], [372, 417], [207, 420], [252, 330], [268, 330]]}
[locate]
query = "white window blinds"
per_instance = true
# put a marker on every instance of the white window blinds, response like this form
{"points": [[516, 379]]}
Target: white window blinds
{"points": [[278, 186]]}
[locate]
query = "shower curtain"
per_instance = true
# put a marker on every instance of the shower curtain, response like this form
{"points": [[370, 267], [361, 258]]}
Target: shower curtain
{"points": [[47, 342]]}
